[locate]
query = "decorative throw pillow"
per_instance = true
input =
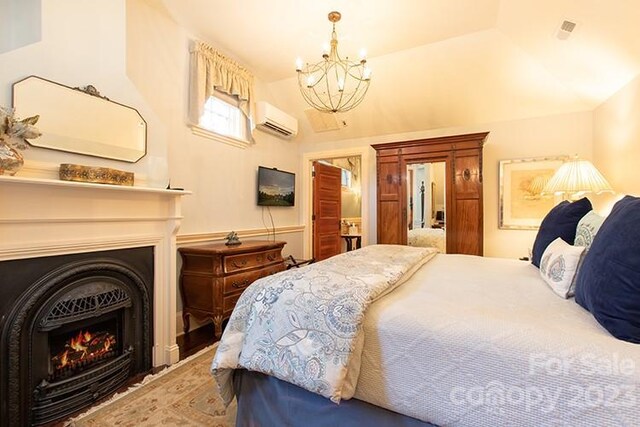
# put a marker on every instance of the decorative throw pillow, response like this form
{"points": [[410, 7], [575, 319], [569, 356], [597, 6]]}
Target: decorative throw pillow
{"points": [[588, 226], [608, 284], [561, 221], [559, 265]]}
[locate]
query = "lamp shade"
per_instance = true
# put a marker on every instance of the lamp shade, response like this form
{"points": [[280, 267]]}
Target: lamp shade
{"points": [[577, 177]]}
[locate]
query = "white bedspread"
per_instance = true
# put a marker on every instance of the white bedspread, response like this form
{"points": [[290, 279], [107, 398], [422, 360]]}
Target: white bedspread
{"points": [[427, 238], [471, 341], [304, 325]]}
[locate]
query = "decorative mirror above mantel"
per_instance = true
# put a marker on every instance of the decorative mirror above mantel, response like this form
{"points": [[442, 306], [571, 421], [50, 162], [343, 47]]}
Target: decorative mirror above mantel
{"points": [[81, 121]]}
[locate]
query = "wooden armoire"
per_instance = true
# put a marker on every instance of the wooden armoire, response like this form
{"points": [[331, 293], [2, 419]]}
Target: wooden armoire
{"points": [[462, 155]]}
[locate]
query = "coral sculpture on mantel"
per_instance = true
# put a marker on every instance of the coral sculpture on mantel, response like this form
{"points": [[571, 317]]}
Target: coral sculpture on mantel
{"points": [[13, 138]]}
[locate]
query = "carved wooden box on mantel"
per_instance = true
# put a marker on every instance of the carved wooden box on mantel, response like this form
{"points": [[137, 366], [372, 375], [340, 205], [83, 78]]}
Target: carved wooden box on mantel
{"points": [[97, 175]]}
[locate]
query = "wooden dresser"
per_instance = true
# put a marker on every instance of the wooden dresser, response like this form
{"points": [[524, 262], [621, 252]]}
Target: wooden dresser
{"points": [[213, 276]]}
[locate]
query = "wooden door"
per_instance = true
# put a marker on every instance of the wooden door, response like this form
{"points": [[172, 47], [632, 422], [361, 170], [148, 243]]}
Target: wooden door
{"points": [[327, 209], [392, 217], [467, 236]]}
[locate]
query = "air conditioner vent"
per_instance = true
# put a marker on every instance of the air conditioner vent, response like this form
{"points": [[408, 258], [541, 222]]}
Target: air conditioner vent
{"points": [[276, 128]]}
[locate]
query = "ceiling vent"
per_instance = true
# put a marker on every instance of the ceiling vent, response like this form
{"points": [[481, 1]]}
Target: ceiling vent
{"points": [[274, 121], [323, 122], [565, 30]]}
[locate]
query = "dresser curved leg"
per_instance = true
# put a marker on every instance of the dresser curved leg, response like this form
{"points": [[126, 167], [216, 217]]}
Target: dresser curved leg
{"points": [[217, 330], [185, 321]]}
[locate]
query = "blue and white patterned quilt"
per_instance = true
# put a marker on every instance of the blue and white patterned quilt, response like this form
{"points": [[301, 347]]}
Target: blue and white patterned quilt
{"points": [[304, 326]]}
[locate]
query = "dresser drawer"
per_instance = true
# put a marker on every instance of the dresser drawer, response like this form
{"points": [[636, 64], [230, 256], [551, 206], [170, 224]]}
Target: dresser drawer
{"points": [[240, 262], [230, 303], [240, 281], [234, 285]]}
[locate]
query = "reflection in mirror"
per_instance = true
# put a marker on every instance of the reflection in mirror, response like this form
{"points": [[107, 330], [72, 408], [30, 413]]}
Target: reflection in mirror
{"points": [[426, 214], [350, 198], [80, 121]]}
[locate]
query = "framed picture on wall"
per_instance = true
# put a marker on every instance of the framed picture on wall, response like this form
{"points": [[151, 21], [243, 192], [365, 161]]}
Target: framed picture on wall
{"points": [[522, 207]]}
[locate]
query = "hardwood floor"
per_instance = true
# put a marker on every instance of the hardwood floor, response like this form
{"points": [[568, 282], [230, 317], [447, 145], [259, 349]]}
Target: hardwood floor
{"points": [[194, 341]]}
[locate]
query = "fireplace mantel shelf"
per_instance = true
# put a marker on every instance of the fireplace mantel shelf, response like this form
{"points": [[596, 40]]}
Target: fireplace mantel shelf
{"points": [[73, 184]]}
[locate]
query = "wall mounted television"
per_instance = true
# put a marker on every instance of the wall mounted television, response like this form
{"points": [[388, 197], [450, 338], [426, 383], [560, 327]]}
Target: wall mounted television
{"points": [[275, 187]]}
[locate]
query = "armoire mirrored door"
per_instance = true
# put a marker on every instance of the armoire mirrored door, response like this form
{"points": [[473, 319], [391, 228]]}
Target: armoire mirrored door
{"points": [[426, 205]]}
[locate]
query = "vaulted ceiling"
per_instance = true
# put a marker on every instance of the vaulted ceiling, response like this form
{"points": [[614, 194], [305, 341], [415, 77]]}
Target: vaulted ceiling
{"points": [[436, 63]]}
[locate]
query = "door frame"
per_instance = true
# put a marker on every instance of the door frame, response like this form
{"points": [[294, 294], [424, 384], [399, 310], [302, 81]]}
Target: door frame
{"points": [[367, 210]]}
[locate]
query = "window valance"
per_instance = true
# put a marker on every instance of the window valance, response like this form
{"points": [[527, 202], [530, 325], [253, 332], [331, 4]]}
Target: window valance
{"points": [[212, 71]]}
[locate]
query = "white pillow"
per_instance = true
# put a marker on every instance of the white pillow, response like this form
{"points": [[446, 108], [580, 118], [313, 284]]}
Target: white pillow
{"points": [[587, 228], [558, 266]]}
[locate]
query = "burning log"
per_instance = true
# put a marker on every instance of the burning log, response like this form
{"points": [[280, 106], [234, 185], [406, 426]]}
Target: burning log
{"points": [[83, 349]]}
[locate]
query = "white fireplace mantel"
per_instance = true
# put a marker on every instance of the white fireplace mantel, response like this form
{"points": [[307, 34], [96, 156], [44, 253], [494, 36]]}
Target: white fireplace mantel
{"points": [[46, 217]]}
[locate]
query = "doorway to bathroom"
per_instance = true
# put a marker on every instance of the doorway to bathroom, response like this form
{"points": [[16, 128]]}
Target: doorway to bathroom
{"points": [[350, 221], [346, 219]]}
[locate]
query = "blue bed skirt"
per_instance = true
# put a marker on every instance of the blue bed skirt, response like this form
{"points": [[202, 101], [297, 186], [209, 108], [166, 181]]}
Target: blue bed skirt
{"points": [[266, 401]]}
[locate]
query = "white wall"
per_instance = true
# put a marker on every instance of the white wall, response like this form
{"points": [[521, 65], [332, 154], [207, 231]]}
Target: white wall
{"points": [[134, 54], [19, 23], [80, 45], [482, 77], [222, 177], [616, 145], [564, 134]]}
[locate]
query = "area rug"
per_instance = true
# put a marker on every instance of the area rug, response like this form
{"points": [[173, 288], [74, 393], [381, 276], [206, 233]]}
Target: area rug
{"points": [[181, 395]]}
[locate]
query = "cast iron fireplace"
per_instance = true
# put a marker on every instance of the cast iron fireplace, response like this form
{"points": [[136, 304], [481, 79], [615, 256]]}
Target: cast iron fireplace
{"points": [[74, 329]]}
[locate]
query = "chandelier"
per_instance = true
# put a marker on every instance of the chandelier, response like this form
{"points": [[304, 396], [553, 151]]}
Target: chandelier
{"points": [[334, 84]]}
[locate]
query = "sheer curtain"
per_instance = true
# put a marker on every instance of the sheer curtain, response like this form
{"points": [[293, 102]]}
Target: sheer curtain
{"points": [[211, 71]]}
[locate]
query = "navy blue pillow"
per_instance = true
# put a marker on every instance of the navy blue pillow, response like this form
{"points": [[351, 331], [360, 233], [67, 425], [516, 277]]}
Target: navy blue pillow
{"points": [[608, 284], [561, 221]]}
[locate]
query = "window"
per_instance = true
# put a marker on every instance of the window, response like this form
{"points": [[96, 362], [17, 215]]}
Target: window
{"points": [[346, 178], [223, 116]]}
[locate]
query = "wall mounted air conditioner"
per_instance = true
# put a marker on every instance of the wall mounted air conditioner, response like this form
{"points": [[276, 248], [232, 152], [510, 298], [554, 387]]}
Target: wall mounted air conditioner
{"points": [[274, 121]]}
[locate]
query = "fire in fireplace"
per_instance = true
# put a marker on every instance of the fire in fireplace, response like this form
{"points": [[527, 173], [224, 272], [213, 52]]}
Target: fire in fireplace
{"points": [[81, 350]]}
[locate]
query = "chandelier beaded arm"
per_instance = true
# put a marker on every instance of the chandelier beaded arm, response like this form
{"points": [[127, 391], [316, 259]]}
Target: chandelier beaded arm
{"points": [[334, 84]]}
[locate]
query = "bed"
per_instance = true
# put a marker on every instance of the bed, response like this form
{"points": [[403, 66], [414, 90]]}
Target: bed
{"points": [[427, 238], [464, 341]]}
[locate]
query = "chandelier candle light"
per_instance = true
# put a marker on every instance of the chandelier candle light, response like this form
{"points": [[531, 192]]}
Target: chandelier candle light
{"points": [[334, 84]]}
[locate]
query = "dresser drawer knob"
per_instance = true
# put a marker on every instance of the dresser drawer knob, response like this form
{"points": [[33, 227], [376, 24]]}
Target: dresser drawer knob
{"points": [[242, 284], [271, 257]]}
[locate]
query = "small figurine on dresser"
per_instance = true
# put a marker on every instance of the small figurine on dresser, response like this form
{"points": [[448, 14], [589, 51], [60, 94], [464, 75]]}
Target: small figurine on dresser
{"points": [[233, 239]]}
